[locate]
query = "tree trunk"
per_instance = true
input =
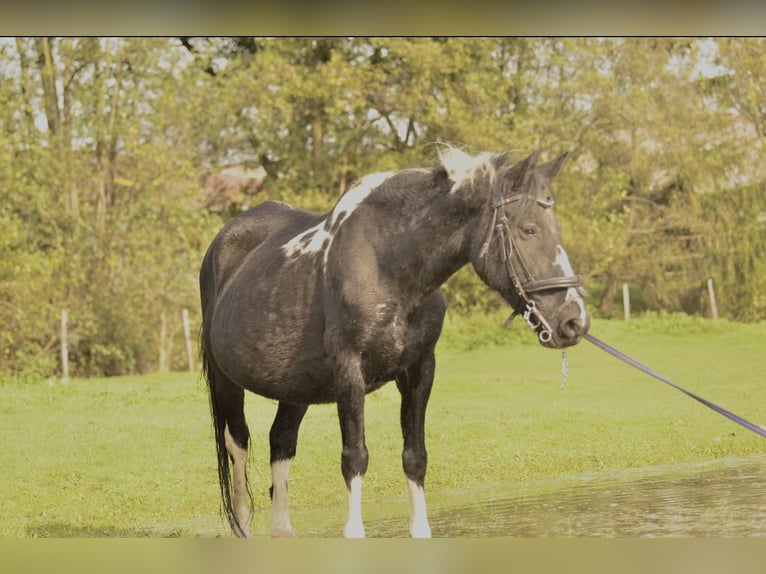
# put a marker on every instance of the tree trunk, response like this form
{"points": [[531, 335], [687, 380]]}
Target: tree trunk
{"points": [[106, 139], [607, 299], [29, 123], [48, 78], [72, 200]]}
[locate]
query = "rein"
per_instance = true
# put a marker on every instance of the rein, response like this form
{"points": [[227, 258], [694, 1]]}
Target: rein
{"points": [[535, 319], [644, 369], [503, 227]]}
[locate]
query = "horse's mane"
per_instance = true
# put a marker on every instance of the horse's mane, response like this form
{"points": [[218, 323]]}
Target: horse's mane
{"points": [[462, 167]]}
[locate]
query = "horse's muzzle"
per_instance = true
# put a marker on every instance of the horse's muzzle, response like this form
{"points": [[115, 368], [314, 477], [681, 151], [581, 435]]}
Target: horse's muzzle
{"points": [[569, 324]]}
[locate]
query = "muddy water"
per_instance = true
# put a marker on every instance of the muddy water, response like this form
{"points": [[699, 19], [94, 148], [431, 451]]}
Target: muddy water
{"points": [[726, 499], [728, 502]]}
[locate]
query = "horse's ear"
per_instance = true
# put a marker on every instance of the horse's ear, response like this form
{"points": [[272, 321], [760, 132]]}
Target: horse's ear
{"points": [[552, 168], [521, 171]]}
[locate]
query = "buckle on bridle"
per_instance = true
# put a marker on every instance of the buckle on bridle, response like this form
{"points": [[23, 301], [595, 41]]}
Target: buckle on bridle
{"points": [[534, 319]]}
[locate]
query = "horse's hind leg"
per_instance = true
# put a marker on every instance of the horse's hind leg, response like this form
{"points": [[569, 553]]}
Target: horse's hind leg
{"points": [[231, 406], [415, 387], [283, 439]]}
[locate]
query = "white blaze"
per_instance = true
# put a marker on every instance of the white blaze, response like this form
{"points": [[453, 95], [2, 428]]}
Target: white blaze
{"points": [[562, 260]]}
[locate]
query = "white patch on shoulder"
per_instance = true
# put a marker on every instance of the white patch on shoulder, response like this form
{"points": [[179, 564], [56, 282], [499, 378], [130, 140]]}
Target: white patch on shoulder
{"points": [[354, 196], [460, 166], [320, 235]]}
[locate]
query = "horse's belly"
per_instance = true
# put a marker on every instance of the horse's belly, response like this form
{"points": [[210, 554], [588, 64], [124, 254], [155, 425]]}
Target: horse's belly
{"points": [[296, 386], [278, 359]]}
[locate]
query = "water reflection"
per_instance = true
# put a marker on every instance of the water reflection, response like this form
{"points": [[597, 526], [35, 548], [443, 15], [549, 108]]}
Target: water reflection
{"points": [[728, 503], [725, 501]]}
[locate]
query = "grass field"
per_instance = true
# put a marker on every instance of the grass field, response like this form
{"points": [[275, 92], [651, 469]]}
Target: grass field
{"points": [[134, 456]]}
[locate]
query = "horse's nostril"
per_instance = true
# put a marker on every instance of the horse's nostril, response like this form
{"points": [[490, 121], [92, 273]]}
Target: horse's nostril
{"points": [[572, 328]]}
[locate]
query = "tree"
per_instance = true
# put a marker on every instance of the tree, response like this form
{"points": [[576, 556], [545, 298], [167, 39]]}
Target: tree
{"points": [[105, 145]]}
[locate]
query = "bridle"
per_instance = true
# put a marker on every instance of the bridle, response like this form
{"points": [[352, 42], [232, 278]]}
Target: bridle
{"points": [[504, 227]]}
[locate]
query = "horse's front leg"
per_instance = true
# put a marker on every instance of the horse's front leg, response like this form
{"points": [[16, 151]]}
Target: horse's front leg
{"points": [[415, 387], [348, 376]]}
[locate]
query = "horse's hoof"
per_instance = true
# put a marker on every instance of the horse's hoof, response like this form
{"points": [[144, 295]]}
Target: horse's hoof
{"points": [[422, 530], [353, 531]]}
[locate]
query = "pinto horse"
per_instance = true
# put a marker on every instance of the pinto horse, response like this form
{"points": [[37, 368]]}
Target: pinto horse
{"points": [[305, 309]]}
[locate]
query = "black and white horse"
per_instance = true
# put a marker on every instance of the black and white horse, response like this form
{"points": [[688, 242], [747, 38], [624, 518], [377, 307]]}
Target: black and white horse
{"points": [[305, 309]]}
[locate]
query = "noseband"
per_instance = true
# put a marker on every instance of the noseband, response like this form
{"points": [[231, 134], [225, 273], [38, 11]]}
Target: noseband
{"points": [[503, 226]]}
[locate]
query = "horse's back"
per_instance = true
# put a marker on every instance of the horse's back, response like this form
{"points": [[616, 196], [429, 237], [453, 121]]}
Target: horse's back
{"points": [[246, 232]]}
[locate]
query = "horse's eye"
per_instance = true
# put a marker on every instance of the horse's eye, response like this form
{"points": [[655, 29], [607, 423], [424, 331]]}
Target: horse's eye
{"points": [[529, 231]]}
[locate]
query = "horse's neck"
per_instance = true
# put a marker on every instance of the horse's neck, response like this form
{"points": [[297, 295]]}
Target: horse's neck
{"points": [[436, 243]]}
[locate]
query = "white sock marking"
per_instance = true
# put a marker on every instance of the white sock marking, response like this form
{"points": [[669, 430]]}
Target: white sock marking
{"points": [[354, 526], [241, 498], [280, 516], [419, 527]]}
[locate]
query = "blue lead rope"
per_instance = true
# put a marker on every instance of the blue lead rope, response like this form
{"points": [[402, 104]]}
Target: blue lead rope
{"points": [[633, 363]]}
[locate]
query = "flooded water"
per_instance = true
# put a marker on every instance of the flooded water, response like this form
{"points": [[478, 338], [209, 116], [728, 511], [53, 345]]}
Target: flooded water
{"points": [[724, 499]]}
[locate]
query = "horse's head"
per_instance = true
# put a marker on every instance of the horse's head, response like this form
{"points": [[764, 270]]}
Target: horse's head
{"points": [[517, 251]]}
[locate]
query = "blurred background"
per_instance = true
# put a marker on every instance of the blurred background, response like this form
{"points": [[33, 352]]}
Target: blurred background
{"points": [[121, 157]]}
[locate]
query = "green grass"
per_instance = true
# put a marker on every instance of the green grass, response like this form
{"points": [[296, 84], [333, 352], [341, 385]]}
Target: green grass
{"points": [[134, 456]]}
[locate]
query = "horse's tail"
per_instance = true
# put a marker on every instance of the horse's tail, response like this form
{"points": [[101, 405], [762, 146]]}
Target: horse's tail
{"points": [[211, 375], [214, 378]]}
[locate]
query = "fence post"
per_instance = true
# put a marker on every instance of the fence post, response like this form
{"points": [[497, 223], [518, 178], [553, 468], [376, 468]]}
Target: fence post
{"points": [[163, 358], [187, 337], [626, 301], [711, 294], [64, 349]]}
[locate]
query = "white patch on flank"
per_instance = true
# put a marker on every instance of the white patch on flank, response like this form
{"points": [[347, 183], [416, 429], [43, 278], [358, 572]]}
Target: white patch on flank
{"points": [[419, 527], [241, 498], [314, 245], [280, 517], [345, 206], [460, 166], [562, 260], [354, 526]]}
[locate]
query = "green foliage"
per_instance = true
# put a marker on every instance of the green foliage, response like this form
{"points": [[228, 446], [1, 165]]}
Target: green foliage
{"points": [[464, 332], [106, 145]]}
